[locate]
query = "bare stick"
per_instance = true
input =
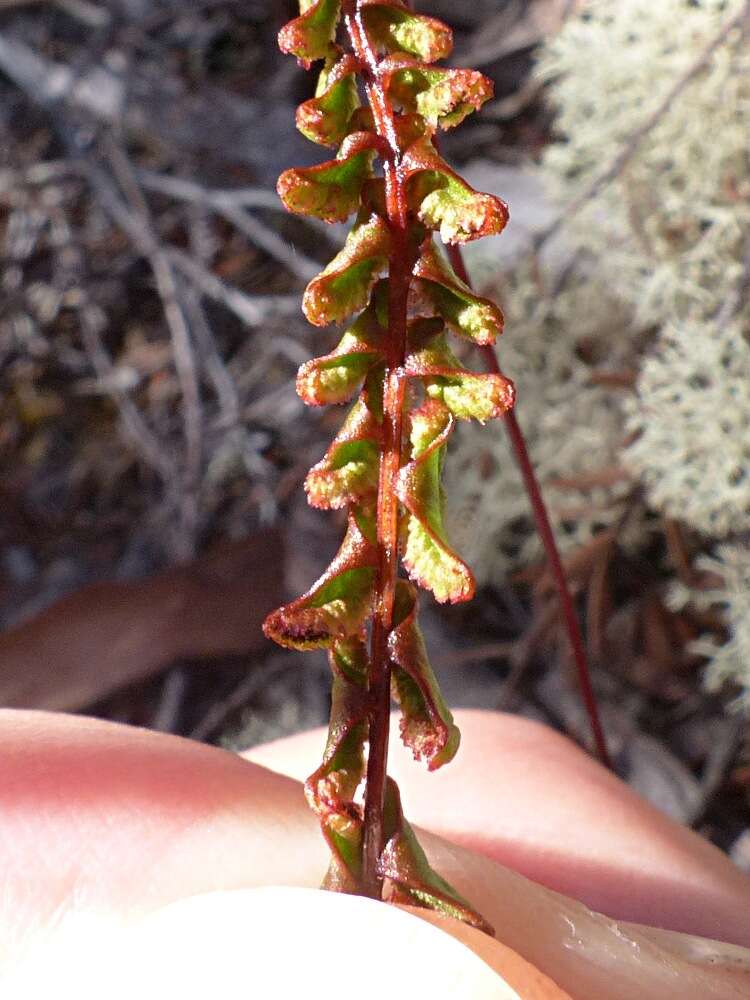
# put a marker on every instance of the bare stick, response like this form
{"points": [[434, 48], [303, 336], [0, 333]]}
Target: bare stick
{"points": [[82, 10], [231, 205], [223, 383], [137, 227], [296, 263], [134, 426], [182, 350], [187, 190], [252, 310]]}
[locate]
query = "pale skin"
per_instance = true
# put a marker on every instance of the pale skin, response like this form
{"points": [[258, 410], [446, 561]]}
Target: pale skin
{"points": [[105, 827]]}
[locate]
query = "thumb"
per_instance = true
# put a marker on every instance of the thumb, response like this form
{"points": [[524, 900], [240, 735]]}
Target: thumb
{"points": [[282, 942]]}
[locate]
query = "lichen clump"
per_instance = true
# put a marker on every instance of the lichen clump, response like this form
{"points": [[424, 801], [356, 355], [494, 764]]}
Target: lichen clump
{"points": [[650, 170], [692, 418], [670, 230], [730, 660]]}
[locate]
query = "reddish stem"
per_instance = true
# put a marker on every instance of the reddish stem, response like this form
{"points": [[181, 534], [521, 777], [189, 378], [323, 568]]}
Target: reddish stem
{"points": [[544, 528], [399, 277]]}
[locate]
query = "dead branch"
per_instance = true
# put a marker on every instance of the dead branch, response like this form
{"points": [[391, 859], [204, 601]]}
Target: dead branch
{"points": [[145, 443], [253, 684], [231, 205], [87, 13], [252, 310], [177, 324], [98, 91], [223, 383]]}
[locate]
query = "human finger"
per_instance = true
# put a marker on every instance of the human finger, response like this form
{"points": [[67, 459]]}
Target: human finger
{"points": [[527, 797], [101, 825], [280, 942]]}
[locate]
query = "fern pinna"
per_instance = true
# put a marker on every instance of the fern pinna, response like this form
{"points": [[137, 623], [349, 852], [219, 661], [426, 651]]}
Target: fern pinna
{"points": [[400, 295]]}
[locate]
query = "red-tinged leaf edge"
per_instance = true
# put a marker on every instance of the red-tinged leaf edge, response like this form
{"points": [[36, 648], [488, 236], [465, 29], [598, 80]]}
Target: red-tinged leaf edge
{"points": [[344, 287], [394, 28], [427, 726], [330, 790], [427, 557], [325, 119], [339, 602], [348, 473], [442, 96], [413, 880], [443, 200], [330, 191], [442, 292], [335, 377], [310, 36], [343, 765], [468, 395]]}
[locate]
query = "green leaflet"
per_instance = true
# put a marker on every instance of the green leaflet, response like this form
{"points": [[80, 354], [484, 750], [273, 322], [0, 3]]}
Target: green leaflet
{"points": [[330, 191], [344, 835], [434, 566], [474, 397], [325, 118], [344, 761], [334, 783], [365, 519], [396, 29], [331, 788], [344, 286], [443, 97], [349, 663], [373, 390], [404, 862], [349, 474], [444, 201], [427, 726], [337, 604], [347, 728], [466, 313], [310, 36], [460, 213], [468, 395], [349, 471], [335, 377], [427, 556]]}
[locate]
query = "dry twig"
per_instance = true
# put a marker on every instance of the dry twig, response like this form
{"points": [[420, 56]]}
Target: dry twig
{"points": [[87, 13], [142, 230], [232, 205]]}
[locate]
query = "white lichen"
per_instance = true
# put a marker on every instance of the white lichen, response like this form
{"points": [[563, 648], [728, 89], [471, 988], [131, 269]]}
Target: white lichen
{"points": [[692, 418], [670, 228], [729, 661]]}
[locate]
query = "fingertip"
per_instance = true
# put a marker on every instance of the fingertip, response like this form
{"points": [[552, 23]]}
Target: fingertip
{"points": [[528, 797], [284, 942], [526, 979]]}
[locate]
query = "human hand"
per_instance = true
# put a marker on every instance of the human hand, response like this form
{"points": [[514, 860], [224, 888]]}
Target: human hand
{"points": [[111, 834]]}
